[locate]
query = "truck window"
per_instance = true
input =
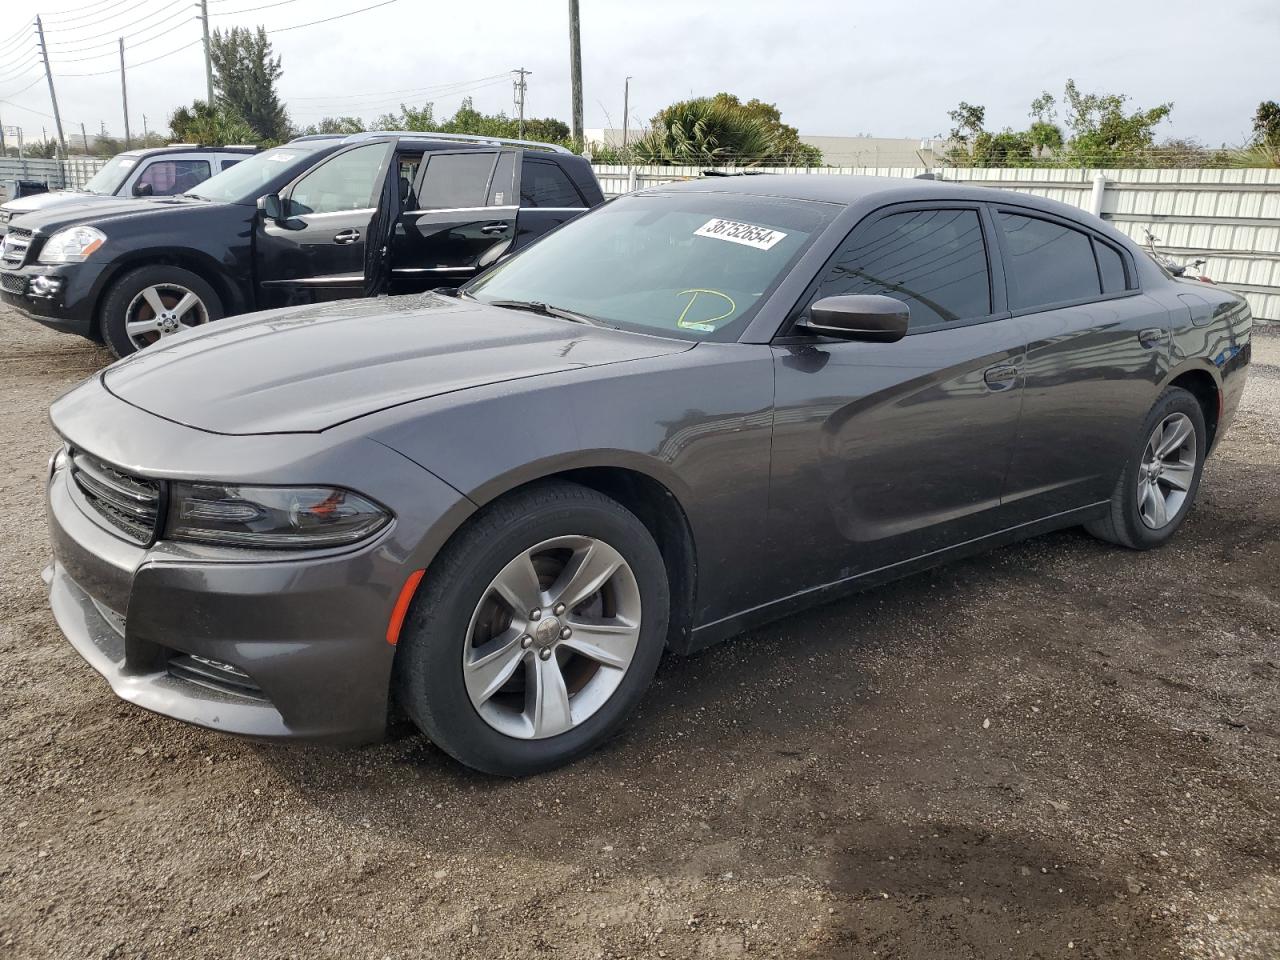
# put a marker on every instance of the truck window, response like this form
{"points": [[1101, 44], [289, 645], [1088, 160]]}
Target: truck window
{"points": [[455, 180], [168, 177], [347, 182], [543, 184]]}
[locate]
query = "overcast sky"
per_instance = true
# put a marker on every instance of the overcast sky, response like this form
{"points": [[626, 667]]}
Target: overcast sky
{"points": [[833, 68]]}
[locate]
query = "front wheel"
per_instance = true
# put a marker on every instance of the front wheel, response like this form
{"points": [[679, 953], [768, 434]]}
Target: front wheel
{"points": [[1161, 476], [536, 631], [153, 302]]}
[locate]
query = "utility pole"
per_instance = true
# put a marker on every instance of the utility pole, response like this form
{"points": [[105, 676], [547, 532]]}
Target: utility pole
{"points": [[85, 137], [575, 69], [144, 130], [626, 109], [208, 62], [124, 96], [48, 75], [521, 87], [3, 152]]}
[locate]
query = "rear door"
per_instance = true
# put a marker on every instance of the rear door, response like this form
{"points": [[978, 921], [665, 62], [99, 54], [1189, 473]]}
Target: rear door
{"points": [[547, 198], [317, 251], [1097, 348], [461, 217]]}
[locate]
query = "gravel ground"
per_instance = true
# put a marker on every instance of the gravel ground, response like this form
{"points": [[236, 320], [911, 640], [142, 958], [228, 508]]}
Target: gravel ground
{"points": [[1061, 749]]}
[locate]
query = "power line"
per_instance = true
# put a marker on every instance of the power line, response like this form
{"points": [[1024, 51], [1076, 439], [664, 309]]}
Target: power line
{"points": [[140, 63], [165, 32], [23, 90], [352, 13], [80, 13], [387, 104], [409, 90], [132, 13], [265, 6]]}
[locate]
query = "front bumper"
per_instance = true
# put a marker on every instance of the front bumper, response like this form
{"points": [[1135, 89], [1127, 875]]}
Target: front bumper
{"points": [[69, 308], [259, 643]]}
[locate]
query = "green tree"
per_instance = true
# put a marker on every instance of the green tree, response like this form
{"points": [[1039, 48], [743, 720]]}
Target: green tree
{"points": [[471, 121], [1104, 133], [342, 125], [244, 81], [787, 147], [722, 130], [1264, 149], [210, 126]]}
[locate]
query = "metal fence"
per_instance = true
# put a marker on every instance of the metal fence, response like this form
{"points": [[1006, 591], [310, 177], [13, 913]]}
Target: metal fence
{"points": [[1231, 217], [58, 174]]}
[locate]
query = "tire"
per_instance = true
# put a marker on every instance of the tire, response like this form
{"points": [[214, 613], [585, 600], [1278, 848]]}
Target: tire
{"points": [[1129, 520], [441, 681], [127, 296]]}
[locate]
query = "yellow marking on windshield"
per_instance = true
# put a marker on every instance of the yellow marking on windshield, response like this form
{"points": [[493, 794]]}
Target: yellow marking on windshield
{"points": [[706, 326]]}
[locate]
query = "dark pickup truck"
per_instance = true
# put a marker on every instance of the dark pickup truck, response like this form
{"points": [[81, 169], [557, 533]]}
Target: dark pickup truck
{"points": [[319, 218]]}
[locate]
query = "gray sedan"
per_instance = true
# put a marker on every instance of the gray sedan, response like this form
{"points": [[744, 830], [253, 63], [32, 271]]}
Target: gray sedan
{"points": [[691, 411]]}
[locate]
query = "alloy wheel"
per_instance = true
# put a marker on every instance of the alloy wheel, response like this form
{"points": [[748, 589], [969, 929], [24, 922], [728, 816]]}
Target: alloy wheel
{"points": [[552, 637], [1167, 470], [162, 310]]}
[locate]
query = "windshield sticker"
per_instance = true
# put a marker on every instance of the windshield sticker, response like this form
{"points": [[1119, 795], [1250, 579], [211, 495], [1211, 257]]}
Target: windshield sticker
{"points": [[280, 157], [747, 234], [126, 164], [708, 325]]}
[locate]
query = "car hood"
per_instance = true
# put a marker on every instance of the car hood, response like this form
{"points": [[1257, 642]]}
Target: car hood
{"points": [[91, 208], [38, 201], [304, 369]]}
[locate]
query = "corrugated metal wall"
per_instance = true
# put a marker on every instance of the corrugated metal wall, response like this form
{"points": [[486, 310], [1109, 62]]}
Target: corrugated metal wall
{"points": [[58, 174], [1232, 217]]}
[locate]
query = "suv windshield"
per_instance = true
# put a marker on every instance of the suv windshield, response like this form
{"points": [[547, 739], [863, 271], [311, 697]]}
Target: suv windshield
{"points": [[689, 265], [108, 180], [243, 183]]}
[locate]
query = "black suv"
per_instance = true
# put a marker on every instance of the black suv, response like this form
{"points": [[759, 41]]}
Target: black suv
{"points": [[320, 218]]}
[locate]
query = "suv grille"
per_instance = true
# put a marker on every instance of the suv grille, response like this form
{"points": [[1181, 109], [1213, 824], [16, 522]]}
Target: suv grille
{"points": [[13, 283], [14, 249], [129, 504]]}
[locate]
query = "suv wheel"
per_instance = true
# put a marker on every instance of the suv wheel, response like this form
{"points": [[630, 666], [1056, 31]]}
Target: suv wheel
{"points": [[1160, 478], [536, 631], [150, 303]]}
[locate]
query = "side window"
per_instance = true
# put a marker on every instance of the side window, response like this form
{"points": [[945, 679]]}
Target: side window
{"points": [[934, 261], [1110, 266], [228, 164], [504, 175], [544, 184], [407, 165], [1048, 263], [168, 177], [347, 182], [455, 180]]}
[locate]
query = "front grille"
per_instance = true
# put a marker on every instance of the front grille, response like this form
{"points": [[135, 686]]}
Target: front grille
{"points": [[214, 674], [130, 505], [13, 283], [14, 249]]}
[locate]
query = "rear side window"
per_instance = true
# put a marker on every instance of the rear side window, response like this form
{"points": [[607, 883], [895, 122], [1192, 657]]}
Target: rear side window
{"points": [[455, 180], [1110, 266], [934, 261], [1048, 263], [167, 177], [544, 184], [504, 175]]}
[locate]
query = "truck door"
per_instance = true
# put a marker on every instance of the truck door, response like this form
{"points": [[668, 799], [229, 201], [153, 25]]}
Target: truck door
{"points": [[316, 251], [547, 198], [460, 219]]}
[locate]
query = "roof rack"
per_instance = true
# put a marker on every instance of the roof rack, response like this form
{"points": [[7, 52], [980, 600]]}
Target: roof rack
{"points": [[460, 137]]}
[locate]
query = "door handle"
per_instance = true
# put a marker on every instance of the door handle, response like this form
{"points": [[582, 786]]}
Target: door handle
{"points": [[1001, 377], [1152, 336], [492, 228], [346, 236]]}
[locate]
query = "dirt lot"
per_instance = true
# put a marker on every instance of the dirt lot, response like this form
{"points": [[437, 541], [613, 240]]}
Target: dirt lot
{"points": [[1058, 750]]}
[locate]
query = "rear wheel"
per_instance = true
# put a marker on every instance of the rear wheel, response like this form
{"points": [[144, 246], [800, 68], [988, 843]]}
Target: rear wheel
{"points": [[537, 630], [1160, 478], [153, 302]]}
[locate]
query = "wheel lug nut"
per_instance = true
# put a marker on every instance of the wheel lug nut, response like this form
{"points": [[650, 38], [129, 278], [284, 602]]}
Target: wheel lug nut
{"points": [[545, 653], [535, 614], [559, 609], [566, 633], [526, 642]]}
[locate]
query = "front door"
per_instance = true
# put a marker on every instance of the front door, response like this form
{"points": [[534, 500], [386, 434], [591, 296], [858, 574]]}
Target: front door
{"points": [[886, 452], [316, 251], [461, 219]]}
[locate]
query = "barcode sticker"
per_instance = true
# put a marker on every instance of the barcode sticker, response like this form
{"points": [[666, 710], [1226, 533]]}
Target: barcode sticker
{"points": [[747, 234]]}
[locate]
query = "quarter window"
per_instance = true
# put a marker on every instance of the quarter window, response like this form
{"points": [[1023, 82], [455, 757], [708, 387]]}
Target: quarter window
{"points": [[1110, 266], [544, 184], [935, 261], [455, 180], [1048, 263], [169, 177], [347, 182]]}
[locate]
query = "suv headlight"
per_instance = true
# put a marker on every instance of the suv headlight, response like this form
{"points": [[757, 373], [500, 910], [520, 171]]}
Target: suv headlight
{"points": [[71, 245], [283, 517]]}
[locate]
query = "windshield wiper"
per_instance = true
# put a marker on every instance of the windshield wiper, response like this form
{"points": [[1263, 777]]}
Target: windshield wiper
{"points": [[546, 310]]}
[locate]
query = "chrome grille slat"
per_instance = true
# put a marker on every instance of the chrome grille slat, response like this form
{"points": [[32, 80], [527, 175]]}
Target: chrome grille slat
{"points": [[13, 283], [131, 488], [13, 251], [129, 505]]}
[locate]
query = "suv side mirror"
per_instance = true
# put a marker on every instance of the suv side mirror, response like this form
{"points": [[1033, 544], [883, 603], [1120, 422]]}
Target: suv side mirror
{"points": [[872, 318], [272, 207], [143, 190]]}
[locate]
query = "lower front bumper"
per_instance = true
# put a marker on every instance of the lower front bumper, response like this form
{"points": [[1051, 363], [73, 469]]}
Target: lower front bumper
{"points": [[69, 309]]}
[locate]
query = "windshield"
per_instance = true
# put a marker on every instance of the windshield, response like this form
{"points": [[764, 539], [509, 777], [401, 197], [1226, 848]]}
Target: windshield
{"points": [[243, 183], [108, 180], [690, 265]]}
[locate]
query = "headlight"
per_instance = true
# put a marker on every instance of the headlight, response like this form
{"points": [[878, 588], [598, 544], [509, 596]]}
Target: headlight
{"points": [[299, 517], [71, 245]]}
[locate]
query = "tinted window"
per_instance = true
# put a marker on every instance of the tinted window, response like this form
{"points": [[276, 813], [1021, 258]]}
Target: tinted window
{"points": [[347, 182], [504, 176], [228, 164], [1048, 263], [167, 177], [455, 180], [934, 261], [1111, 266], [544, 184]]}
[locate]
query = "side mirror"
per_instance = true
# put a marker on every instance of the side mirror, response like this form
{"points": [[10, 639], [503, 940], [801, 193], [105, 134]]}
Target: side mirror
{"points": [[872, 318], [272, 207], [143, 190]]}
